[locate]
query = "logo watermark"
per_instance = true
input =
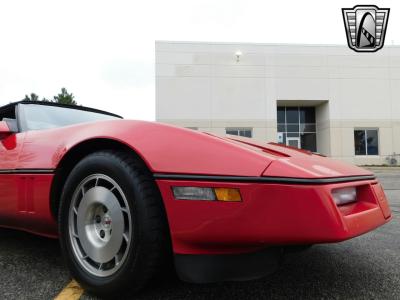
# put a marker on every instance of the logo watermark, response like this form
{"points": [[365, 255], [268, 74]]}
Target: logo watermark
{"points": [[365, 27]]}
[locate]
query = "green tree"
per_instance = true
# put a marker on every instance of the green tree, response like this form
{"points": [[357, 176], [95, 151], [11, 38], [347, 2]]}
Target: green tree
{"points": [[31, 97], [65, 98]]}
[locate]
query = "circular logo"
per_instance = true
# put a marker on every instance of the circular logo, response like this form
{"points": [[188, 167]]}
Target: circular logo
{"points": [[107, 222]]}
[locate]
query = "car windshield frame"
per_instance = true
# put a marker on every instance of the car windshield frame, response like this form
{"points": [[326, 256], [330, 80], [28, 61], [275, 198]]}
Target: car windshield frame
{"points": [[57, 116]]}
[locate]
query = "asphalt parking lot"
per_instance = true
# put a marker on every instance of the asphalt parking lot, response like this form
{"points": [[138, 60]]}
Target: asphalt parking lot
{"points": [[367, 267]]}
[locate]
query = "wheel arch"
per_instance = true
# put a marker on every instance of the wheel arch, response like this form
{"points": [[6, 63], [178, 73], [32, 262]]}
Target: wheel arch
{"points": [[75, 155]]}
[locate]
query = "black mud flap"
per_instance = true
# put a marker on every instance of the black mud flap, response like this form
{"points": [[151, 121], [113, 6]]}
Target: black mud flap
{"points": [[228, 267]]}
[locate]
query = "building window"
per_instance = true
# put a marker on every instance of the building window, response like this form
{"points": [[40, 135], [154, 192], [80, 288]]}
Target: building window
{"points": [[297, 127], [246, 132], [366, 142]]}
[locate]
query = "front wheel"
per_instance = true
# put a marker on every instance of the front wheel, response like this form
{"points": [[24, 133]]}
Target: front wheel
{"points": [[113, 229]]}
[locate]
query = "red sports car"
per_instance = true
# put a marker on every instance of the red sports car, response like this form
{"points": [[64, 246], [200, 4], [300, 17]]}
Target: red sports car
{"points": [[124, 197]]}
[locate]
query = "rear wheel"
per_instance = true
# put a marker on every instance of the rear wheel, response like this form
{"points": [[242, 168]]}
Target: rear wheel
{"points": [[113, 229]]}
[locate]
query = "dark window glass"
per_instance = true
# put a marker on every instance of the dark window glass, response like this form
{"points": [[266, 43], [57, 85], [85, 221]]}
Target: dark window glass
{"points": [[281, 128], [292, 127], [292, 134], [299, 123], [307, 128], [292, 114], [240, 132], [38, 117], [307, 114], [245, 133], [309, 141], [359, 142], [372, 142], [232, 132], [281, 114]]}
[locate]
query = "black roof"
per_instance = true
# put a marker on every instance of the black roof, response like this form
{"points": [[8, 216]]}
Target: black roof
{"points": [[79, 107]]}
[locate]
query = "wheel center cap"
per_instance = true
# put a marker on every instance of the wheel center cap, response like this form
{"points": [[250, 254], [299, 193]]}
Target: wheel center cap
{"points": [[107, 222]]}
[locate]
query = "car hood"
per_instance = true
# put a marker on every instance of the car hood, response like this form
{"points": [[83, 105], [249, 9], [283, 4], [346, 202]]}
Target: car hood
{"points": [[297, 163], [168, 149]]}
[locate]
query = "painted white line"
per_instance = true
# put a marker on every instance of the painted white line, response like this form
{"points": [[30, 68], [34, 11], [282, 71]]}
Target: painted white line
{"points": [[71, 292]]}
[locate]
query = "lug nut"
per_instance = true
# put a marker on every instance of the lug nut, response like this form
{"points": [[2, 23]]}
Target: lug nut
{"points": [[98, 219], [102, 234]]}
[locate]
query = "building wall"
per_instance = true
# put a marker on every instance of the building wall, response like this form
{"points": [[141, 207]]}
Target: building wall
{"points": [[202, 85]]}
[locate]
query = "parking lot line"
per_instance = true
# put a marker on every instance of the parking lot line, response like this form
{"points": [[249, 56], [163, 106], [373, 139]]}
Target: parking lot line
{"points": [[71, 292]]}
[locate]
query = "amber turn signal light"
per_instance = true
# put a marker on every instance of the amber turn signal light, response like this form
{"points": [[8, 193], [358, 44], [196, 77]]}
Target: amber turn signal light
{"points": [[227, 194]]}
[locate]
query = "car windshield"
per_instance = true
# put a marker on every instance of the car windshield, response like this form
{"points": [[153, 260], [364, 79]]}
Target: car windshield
{"points": [[37, 117]]}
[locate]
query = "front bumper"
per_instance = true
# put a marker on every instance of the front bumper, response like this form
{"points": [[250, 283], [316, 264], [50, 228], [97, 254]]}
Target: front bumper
{"points": [[271, 214]]}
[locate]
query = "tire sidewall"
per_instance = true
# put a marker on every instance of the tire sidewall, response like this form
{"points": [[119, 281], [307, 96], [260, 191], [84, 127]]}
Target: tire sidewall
{"points": [[102, 163]]}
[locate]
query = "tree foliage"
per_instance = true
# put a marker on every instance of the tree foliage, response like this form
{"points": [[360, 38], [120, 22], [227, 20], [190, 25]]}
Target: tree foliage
{"points": [[31, 97], [63, 98]]}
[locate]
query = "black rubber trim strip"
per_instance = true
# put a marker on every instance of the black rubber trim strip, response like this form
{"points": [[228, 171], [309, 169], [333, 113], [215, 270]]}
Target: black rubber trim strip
{"points": [[290, 180], [76, 107], [27, 171]]}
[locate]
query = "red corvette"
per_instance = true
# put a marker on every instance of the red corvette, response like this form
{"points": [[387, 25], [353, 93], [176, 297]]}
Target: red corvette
{"points": [[125, 196]]}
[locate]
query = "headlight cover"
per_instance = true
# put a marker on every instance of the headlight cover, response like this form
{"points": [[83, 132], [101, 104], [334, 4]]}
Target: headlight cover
{"points": [[344, 196]]}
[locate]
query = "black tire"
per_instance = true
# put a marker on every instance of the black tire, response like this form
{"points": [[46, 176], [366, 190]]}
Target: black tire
{"points": [[150, 235]]}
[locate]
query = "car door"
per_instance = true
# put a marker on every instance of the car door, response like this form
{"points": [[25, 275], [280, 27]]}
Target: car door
{"points": [[10, 148], [24, 186]]}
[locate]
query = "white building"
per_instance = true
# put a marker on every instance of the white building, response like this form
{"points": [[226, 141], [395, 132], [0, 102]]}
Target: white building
{"points": [[324, 98]]}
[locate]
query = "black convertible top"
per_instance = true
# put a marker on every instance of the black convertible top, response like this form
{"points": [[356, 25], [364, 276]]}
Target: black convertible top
{"points": [[78, 107]]}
